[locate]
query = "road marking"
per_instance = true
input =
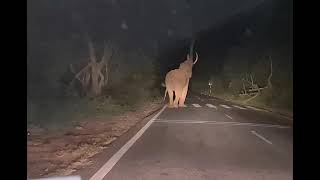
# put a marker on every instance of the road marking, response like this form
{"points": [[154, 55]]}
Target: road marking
{"points": [[239, 107], [228, 116], [183, 121], [250, 107], [211, 106], [261, 137], [231, 123], [225, 106], [105, 169], [60, 178], [196, 105]]}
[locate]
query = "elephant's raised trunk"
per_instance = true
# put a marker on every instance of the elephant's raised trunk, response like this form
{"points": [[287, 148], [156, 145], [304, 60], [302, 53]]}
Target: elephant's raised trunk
{"points": [[197, 57]]}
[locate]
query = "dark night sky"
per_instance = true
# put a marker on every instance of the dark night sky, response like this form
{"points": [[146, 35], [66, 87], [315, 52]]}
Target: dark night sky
{"points": [[147, 22]]}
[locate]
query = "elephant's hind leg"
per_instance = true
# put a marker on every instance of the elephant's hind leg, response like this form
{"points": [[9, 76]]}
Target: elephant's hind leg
{"points": [[170, 93], [178, 97], [183, 97]]}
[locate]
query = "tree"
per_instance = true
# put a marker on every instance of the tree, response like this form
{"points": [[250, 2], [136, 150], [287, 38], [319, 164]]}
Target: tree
{"points": [[95, 75]]}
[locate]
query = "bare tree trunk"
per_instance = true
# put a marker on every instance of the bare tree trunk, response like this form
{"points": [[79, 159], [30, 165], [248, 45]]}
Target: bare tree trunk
{"points": [[244, 88], [92, 53], [96, 89], [106, 79]]}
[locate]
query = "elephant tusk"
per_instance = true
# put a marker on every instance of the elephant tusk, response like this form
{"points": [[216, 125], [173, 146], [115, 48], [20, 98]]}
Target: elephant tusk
{"points": [[196, 58]]}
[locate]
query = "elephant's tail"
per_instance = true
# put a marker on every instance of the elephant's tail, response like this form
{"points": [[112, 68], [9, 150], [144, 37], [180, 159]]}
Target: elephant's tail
{"points": [[165, 94]]}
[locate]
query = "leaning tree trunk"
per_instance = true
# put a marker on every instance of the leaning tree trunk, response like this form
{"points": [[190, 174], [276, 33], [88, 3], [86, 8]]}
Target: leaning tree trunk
{"points": [[95, 86], [106, 75]]}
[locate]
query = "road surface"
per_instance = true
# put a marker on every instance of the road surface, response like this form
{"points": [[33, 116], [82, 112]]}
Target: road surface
{"points": [[209, 139]]}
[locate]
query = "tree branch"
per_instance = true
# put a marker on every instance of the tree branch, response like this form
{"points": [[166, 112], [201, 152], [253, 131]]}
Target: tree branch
{"points": [[84, 70], [101, 83]]}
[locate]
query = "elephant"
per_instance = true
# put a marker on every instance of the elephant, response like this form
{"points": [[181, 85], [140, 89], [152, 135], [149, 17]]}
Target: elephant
{"points": [[177, 82]]}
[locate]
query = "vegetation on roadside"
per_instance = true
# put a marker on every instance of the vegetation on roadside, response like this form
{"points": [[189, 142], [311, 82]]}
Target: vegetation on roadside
{"points": [[257, 69], [56, 98], [245, 80]]}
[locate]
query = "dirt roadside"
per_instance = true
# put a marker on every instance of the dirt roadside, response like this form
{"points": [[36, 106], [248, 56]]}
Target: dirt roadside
{"points": [[51, 153]]}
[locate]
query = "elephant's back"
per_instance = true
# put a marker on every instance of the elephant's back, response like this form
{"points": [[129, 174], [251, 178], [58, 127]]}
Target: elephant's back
{"points": [[174, 77]]}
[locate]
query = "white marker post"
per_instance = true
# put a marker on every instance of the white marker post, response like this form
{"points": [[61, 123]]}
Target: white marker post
{"points": [[210, 84]]}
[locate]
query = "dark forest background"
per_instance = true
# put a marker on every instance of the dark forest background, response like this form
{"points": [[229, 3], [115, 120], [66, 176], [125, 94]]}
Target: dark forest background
{"points": [[234, 39]]}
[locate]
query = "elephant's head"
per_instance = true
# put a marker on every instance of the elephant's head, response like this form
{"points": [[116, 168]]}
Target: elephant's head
{"points": [[191, 60], [187, 65]]}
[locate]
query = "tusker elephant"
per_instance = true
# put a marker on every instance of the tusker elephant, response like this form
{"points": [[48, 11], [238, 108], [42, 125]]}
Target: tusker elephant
{"points": [[177, 82]]}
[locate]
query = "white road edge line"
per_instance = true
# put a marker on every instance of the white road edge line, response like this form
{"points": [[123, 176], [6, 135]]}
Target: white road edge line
{"points": [[233, 123], [105, 169], [250, 107], [229, 116], [261, 137], [239, 107]]}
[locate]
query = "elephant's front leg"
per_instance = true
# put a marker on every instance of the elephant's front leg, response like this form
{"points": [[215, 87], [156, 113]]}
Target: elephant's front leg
{"points": [[184, 95], [178, 93]]}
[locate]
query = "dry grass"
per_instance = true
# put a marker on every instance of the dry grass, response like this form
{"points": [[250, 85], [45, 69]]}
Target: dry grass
{"points": [[52, 152]]}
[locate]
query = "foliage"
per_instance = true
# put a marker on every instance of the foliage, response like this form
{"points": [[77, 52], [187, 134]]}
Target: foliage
{"points": [[228, 83], [131, 82]]}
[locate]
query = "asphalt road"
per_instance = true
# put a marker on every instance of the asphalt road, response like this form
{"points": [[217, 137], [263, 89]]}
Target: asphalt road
{"points": [[209, 139]]}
